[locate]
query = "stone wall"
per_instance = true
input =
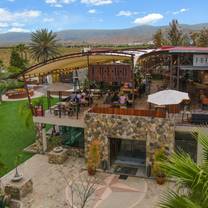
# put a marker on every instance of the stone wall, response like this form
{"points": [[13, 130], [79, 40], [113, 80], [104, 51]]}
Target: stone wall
{"points": [[157, 132]]}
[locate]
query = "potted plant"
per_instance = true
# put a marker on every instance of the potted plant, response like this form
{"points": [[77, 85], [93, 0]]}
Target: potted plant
{"points": [[38, 107], [93, 156], [159, 156], [55, 142]]}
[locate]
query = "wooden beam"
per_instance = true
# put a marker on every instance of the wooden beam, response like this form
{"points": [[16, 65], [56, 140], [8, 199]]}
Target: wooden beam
{"points": [[28, 95]]}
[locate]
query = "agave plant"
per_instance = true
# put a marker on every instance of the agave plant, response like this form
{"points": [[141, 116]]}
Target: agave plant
{"points": [[191, 178]]}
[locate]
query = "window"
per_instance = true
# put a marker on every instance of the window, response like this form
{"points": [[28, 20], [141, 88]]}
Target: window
{"points": [[186, 141]]}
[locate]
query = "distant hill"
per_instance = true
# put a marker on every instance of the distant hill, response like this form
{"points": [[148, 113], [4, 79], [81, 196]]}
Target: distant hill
{"points": [[139, 34]]}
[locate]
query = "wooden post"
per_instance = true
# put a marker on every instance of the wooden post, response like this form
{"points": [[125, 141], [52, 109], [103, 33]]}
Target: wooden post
{"points": [[178, 72], [132, 68], [28, 94], [49, 99], [171, 72], [59, 96], [77, 110]]}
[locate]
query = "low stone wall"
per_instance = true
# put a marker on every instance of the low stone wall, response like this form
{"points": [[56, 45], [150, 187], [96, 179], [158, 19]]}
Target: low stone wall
{"points": [[75, 152], [157, 132]]}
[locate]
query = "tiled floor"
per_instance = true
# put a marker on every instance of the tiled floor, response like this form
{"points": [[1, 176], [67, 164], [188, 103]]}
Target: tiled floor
{"points": [[50, 186]]}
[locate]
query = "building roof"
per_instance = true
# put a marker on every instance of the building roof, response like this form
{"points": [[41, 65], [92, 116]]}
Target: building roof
{"points": [[181, 49], [70, 62]]}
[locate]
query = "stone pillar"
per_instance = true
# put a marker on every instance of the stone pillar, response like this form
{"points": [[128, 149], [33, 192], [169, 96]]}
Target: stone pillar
{"points": [[18, 190], [39, 137], [44, 139]]}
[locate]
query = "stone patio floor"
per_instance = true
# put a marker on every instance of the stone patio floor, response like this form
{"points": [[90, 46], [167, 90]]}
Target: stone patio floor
{"points": [[50, 186]]}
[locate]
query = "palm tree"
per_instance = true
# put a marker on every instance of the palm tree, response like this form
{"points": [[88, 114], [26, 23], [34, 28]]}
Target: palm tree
{"points": [[191, 178], [43, 45]]}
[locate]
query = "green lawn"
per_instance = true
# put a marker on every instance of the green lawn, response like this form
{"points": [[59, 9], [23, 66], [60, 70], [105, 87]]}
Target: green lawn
{"points": [[14, 135]]}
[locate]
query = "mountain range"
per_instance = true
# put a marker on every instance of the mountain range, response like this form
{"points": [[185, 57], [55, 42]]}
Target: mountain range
{"points": [[139, 34]]}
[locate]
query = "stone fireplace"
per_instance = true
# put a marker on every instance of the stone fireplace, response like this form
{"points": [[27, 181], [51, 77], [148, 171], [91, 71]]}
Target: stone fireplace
{"points": [[156, 132]]}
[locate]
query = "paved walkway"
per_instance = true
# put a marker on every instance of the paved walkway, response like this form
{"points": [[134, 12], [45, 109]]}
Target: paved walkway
{"points": [[50, 189]]}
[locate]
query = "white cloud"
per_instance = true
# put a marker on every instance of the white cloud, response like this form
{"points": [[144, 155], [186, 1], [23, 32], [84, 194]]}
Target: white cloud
{"points": [[181, 11], [97, 2], [126, 13], [3, 24], [17, 24], [92, 11], [148, 19], [18, 29], [47, 19], [17, 20], [14, 16], [29, 13], [58, 3]]}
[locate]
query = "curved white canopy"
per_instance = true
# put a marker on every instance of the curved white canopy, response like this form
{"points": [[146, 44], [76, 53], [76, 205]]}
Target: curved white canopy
{"points": [[167, 97]]}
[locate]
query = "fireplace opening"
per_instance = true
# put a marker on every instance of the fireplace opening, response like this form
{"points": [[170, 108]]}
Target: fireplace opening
{"points": [[127, 153]]}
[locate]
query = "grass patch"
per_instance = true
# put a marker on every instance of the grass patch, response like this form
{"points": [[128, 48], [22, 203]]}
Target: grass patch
{"points": [[14, 135]]}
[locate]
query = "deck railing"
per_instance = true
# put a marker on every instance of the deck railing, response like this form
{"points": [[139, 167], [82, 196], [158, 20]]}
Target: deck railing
{"points": [[128, 111]]}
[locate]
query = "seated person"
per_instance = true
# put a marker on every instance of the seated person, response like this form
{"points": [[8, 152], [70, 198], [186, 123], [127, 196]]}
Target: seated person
{"points": [[130, 85], [115, 99], [107, 98], [72, 96], [83, 93], [83, 100], [130, 99], [186, 110], [77, 98], [122, 99]]}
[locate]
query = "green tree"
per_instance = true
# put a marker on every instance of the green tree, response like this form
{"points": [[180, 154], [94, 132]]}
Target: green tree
{"points": [[158, 38], [1, 65], [194, 37], [3, 88], [43, 45], [175, 34], [202, 39], [186, 40], [16, 60], [12, 70], [191, 178], [22, 49]]}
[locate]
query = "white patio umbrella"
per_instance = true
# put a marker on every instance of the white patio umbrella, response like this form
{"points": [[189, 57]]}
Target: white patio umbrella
{"points": [[167, 97]]}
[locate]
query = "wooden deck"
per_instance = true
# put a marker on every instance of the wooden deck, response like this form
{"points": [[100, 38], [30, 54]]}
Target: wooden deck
{"points": [[50, 118]]}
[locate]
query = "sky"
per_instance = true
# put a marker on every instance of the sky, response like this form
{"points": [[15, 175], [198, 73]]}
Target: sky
{"points": [[56, 15]]}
